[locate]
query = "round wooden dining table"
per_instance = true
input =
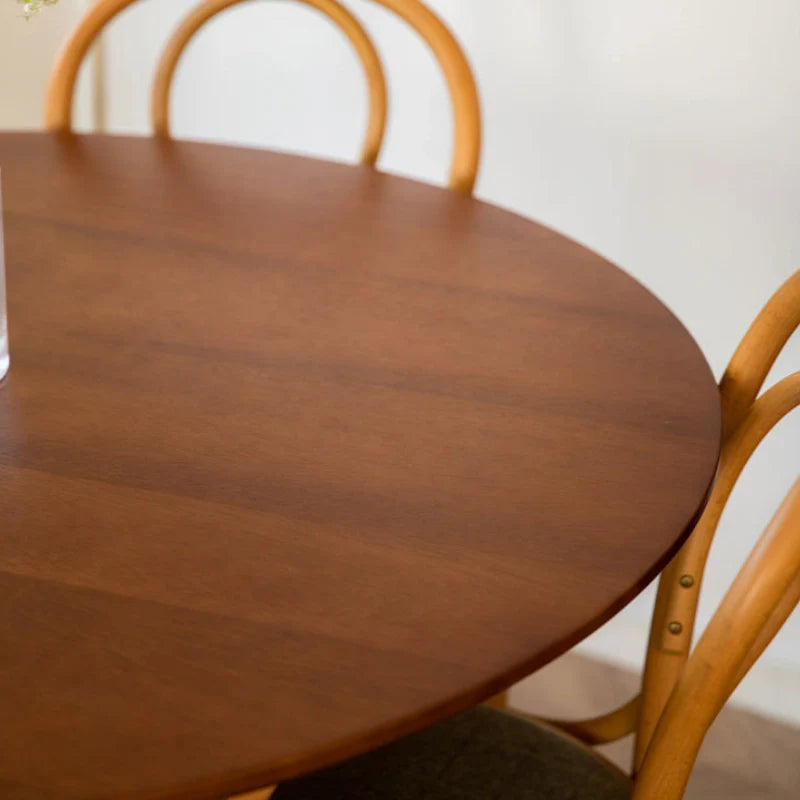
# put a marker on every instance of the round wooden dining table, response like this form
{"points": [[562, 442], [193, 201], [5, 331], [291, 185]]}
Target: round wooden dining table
{"points": [[297, 458]]}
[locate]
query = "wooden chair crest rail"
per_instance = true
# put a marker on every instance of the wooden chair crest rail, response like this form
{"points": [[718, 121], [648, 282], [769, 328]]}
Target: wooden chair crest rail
{"points": [[461, 84]]}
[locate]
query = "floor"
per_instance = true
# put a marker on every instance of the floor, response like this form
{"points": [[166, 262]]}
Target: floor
{"points": [[744, 756]]}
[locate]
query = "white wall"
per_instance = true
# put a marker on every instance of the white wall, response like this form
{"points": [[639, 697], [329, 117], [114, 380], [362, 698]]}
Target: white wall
{"points": [[27, 49], [662, 134]]}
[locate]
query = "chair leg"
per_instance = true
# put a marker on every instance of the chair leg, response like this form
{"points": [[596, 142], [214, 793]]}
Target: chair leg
{"points": [[260, 794], [498, 701]]}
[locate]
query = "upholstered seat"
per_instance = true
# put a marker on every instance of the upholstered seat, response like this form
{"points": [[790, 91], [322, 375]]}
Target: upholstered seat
{"points": [[481, 754]]}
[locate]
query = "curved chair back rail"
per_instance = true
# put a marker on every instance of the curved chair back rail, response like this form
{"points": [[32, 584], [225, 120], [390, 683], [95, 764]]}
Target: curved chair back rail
{"points": [[756, 353], [61, 85], [461, 84], [759, 601], [454, 65], [671, 665], [747, 419], [347, 23]]}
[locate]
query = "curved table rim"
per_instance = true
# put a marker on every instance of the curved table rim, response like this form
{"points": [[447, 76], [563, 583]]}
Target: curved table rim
{"points": [[275, 773]]}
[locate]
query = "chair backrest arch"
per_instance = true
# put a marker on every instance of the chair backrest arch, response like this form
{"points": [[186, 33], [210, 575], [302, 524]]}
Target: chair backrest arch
{"points": [[683, 689], [458, 75]]}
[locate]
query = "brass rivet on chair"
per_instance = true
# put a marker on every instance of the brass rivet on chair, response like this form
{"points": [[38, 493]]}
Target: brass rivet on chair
{"points": [[675, 627], [686, 581]]}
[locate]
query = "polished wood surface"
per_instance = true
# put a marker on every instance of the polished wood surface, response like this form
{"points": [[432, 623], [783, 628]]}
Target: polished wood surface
{"points": [[298, 457]]}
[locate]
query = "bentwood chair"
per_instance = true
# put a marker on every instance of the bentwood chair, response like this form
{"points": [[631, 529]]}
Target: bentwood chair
{"points": [[460, 82], [491, 753]]}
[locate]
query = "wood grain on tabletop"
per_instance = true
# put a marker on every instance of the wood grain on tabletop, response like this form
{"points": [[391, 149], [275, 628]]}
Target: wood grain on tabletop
{"points": [[297, 457]]}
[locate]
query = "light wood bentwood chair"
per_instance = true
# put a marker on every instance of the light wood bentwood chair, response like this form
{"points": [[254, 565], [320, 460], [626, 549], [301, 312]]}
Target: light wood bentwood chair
{"points": [[491, 753], [457, 72]]}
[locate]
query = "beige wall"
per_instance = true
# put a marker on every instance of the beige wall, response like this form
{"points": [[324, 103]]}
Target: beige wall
{"points": [[27, 49]]}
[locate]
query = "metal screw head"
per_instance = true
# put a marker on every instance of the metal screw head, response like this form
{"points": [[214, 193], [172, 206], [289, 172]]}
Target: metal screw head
{"points": [[686, 581], [675, 627]]}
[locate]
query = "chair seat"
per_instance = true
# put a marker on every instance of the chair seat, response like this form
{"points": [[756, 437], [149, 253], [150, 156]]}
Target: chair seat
{"points": [[481, 754]]}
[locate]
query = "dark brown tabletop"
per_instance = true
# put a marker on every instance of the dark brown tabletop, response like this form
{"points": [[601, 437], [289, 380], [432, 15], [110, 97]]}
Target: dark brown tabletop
{"points": [[297, 457]]}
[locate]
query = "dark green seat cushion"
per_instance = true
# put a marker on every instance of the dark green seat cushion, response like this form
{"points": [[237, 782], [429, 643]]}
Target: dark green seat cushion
{"points": [[481, 754]]}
